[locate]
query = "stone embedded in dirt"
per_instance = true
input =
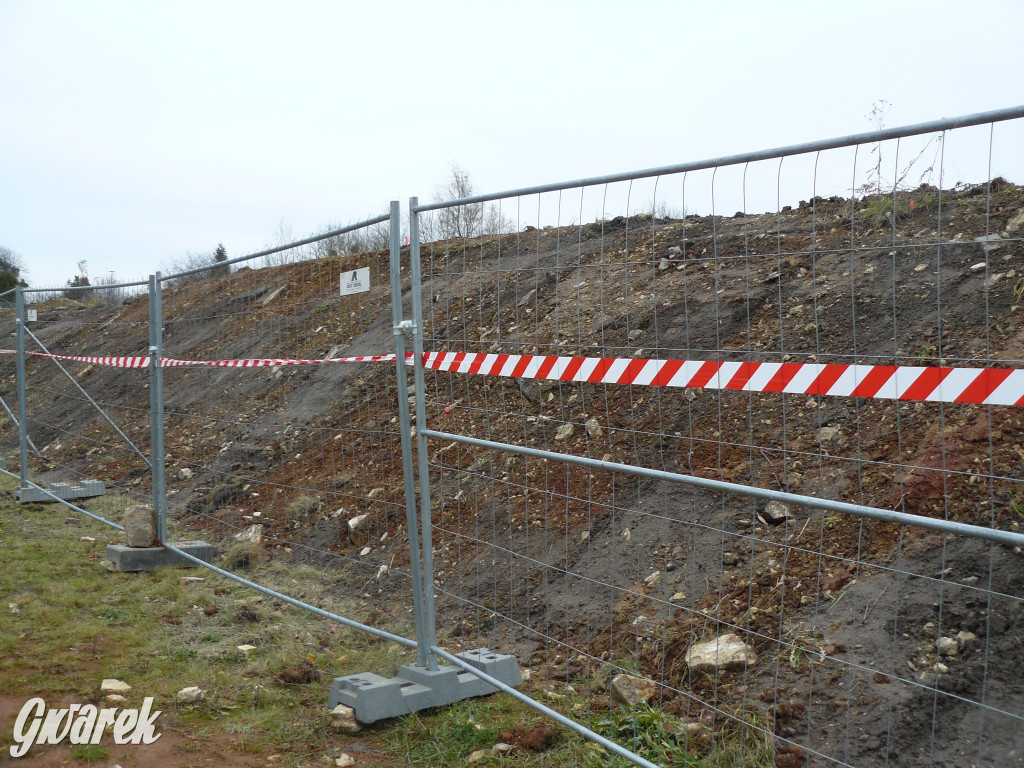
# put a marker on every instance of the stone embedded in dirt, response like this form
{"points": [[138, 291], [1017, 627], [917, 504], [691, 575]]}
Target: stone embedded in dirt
{"points": [[664, 264], [111, 685], [948, 646], [88, 539], [726, 652], [965, 639], [247, 649], [253, 534], [186, 580], [990, 243], [594, 428], [730, 558], [527, 298], [184, 473], [344, 760], [358, 530], [536, 739], [139, 526], [116, 699], [631, 690], [501, 748], [827, 433], [775, 513], [1015, 223], [563, 432], [273, 295], [190, 695], [344, 719], [476, 755]]}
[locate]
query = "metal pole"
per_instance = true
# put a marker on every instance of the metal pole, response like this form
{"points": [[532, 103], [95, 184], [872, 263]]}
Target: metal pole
{"points": [[156, 407], [426, 536], [88, 397], [858, 510], [19, 308], [399, 326]]}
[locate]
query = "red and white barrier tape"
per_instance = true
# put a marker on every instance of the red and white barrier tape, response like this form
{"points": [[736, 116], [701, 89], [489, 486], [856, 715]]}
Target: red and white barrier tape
{"points": [[988, 386], [983, 386], [169, 362]]}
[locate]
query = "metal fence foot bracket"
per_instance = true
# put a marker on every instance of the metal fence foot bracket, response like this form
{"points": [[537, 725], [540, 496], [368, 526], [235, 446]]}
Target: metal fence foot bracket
{"points": [[414, 688], [87, 489], [125, 558]]}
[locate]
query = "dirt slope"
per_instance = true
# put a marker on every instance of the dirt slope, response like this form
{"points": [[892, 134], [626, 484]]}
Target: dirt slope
{"points": [[568, 567]]}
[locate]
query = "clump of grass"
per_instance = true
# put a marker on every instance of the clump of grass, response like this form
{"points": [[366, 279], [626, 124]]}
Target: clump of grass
{"points": [[243, 556], [89, 753], [303, 507]]}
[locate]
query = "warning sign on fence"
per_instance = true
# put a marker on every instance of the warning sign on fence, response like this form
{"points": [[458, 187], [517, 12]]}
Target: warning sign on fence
{"points": [[355, 281]]}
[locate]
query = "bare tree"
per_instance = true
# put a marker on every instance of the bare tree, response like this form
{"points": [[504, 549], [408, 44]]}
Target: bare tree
{"points": [[460, 221], [11, 262]]}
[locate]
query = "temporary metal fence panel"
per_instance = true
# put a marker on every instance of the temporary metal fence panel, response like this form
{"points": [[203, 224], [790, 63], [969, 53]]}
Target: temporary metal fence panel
{"points": [[87, 432], [751, 365], [274, 445]]}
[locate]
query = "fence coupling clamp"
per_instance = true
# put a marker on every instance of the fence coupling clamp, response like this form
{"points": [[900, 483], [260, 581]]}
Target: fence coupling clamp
{"points": [[154, 350], [403, 327]]}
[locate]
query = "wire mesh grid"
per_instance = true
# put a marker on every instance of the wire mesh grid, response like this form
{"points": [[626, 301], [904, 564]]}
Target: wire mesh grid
{"points": [[84, 421], [298, 462], [834, 639]]}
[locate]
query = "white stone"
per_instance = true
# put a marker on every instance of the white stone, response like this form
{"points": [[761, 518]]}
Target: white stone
{"points": [[190, 695], [594, 428], [476, 756], [254, 534], [775, 513], [116, 699], [631, 690], [88, 539], [184, 473], [111, 685], [246, 649], [344, 760], [344, 719], [563, 432], [186, 580], [965, 637], [724, 652], [358, 532], [948, 646], [501, 747]]}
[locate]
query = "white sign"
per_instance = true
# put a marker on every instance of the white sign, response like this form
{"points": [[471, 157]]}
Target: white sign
{"points": [[355, 281], [31, 315], [82, 724]]}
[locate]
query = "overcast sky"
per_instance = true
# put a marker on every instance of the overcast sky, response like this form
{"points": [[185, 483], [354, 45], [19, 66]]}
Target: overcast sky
{"points": [[135, 132]]}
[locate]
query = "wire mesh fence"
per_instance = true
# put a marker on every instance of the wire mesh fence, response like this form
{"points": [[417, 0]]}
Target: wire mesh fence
{"points": [[296, 459], [762, 629], [727, 454]]}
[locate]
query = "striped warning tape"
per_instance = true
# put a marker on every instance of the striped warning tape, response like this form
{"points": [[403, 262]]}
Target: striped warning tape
{"points": [[984, 386], [989, 386], [169, 362]]}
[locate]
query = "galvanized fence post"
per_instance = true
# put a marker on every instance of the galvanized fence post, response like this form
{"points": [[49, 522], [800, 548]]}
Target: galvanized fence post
{"points": [[156, 407], [399, 327], [426, 537], [19, 295]]}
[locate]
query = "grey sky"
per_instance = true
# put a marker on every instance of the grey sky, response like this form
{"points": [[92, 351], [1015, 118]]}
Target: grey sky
{"points": [[134, 132]]}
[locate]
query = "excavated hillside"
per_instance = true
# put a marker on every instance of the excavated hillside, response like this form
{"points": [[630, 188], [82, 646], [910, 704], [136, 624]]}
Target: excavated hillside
{"points": [[568, 566]]}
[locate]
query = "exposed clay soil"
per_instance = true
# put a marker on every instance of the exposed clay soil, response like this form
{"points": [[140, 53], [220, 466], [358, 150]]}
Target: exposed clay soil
{"points": [[567, 567]]}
